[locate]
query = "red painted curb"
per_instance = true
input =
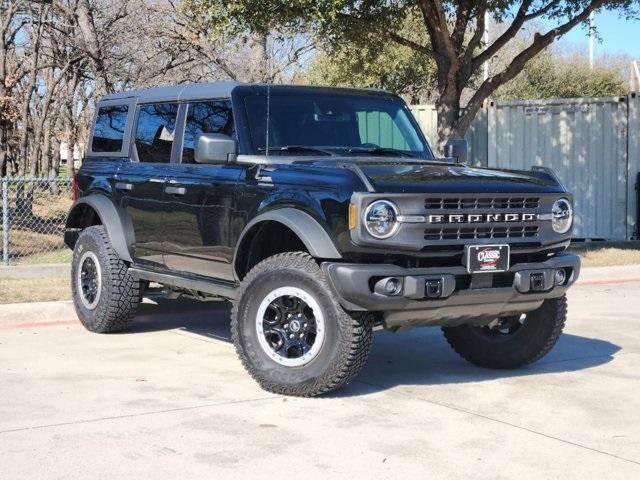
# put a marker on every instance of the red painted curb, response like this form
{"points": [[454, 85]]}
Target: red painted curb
{"points": [[52, 323]]}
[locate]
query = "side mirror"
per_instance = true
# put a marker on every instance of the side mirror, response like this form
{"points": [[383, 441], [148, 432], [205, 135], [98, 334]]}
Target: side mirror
{"points": [[457, 149], [215, 148]]}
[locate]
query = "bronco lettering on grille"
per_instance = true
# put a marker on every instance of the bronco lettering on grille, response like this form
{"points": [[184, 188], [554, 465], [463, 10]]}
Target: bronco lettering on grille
{"points": [[484, 218]]}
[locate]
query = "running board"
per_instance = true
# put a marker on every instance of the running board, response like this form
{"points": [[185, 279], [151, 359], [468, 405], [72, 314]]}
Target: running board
{"points": [[213, 287]]}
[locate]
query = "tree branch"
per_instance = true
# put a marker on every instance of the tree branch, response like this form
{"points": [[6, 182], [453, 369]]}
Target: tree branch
{"points": [[463, 15], [399, 39], [503, 39], [540, 42], [476, 38], [541, 11]]}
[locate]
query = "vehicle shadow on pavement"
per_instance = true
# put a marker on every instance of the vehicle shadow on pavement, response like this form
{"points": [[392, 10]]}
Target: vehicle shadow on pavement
{"points": [[423, 357], [209, 319], [418, 357]]}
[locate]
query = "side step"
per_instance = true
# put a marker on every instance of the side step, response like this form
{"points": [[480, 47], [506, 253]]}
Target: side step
{"points": [[213, 287]]}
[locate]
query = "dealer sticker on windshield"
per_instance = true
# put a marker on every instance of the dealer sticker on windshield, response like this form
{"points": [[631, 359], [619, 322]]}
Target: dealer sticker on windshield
{"points": [[487, 258]]}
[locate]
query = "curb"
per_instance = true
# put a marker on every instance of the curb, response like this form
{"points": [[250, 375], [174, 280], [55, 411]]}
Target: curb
{"points": [[35, 271], [609, 275]]}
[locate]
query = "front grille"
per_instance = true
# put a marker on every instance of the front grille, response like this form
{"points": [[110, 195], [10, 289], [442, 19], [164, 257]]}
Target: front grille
{"points": [[478, 203], [475, 233]]}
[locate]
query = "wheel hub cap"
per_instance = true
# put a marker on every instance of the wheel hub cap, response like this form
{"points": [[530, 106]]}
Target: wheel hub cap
{"points": [[89, 280], [290, 326], [294, 326]]}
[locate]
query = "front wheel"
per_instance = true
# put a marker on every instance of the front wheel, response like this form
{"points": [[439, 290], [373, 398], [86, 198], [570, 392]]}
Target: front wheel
{"points": [[511, 342], [290, 333]]}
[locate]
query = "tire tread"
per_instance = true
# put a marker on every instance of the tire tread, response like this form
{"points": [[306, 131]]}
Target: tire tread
{"points": [[123, 294], [466, 345], [357, 333]]}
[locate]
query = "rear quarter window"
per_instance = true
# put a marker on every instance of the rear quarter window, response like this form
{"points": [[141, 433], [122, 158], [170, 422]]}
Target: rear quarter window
{"points": [[109, 129]]}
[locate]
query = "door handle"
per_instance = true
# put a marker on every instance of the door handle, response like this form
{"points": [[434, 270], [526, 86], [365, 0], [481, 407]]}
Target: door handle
{"points": [[124, 186], [156, 180], [175, 190]]}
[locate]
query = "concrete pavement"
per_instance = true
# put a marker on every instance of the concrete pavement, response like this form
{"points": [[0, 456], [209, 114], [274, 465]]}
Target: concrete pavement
{"points": [[170, 400]]}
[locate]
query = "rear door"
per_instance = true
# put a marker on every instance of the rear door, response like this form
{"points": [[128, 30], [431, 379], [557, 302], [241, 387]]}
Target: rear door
{"points": [[141, 180], [200, 198]]}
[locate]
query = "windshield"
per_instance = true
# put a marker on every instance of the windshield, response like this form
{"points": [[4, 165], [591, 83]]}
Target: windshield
{"points": [[309, 123]]}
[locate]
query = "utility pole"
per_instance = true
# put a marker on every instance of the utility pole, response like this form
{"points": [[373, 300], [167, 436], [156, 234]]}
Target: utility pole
{"points": [[485, 38], [592, 35], [636, 68]]}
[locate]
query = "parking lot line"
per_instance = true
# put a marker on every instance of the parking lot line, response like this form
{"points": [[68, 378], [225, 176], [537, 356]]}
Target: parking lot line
{"points": [[140, 414]]}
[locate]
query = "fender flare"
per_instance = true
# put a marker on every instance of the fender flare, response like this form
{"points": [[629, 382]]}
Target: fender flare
{"points": [[115, 220], [314, 237]]}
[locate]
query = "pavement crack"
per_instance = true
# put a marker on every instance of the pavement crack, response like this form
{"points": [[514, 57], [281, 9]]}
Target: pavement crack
{"points": [[141, 414], [503, 422]]}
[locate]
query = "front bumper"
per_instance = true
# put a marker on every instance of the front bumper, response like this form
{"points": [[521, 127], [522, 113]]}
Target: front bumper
{"points": [[467, 299]]}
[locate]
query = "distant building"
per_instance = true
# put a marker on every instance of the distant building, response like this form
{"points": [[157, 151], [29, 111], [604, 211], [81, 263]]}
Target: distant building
{"points": [[64, 155]]}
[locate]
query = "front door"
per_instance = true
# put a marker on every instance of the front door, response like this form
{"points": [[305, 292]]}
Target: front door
{"points": [[200, 198], [141, 182]]}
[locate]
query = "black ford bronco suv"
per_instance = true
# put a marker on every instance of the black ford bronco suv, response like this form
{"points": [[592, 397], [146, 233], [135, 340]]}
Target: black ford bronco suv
{"points": [[321, 214]]}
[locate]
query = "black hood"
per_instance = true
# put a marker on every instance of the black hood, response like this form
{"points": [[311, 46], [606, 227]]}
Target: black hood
{"points": [[440, 177]]}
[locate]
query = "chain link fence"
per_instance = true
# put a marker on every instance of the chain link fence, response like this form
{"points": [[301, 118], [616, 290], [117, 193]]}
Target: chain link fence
{"points": [[33, 213]]}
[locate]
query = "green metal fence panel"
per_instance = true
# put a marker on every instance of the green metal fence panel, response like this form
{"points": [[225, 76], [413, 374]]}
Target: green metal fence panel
{"points": [[427, 117], [584, 141], [476, 136], [633, 168]]}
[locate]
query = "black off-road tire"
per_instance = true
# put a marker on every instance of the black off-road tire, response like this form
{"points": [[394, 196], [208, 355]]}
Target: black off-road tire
{"points": [[119, 294], [347, 340], [530, 342]]}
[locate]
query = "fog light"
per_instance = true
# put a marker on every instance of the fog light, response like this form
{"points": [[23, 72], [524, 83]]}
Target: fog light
{"points": [[560, 276], [393, 286]]}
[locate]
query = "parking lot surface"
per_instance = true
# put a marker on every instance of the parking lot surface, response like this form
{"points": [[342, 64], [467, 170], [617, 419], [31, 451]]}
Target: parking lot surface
{"points": [[169, 400]]}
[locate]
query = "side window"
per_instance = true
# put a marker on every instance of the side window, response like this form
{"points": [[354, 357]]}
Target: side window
{"points": [[109, 129], [205, 117], [155, 132]]}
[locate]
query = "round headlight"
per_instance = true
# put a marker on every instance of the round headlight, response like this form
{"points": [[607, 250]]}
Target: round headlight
{"points": [[381, 219], [561, 216]]}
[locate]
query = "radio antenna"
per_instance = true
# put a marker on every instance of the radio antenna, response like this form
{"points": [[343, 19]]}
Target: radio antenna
{"points": [[266, 146]]}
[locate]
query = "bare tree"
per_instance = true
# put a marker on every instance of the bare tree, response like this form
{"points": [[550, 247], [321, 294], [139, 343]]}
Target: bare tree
{"points": [[58, 57]]}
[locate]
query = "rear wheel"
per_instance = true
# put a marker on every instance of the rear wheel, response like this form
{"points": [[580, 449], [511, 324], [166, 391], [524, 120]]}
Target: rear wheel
{"points": [[511, 342], [290, 333], [105, 295]]}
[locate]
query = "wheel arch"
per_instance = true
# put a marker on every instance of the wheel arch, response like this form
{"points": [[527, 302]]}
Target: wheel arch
{"points": [[289, 224], [98, 209]]}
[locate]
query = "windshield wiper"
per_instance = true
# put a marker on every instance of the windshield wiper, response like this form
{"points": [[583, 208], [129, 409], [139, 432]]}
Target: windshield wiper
{"points": [[380, 151], [298, 148]]}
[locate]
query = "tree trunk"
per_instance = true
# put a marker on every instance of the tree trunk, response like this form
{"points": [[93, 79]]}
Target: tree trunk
{"points": [[3, 151], [30, 89], [259, 58], [87, 27], [448, 110], [45, 151]]}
